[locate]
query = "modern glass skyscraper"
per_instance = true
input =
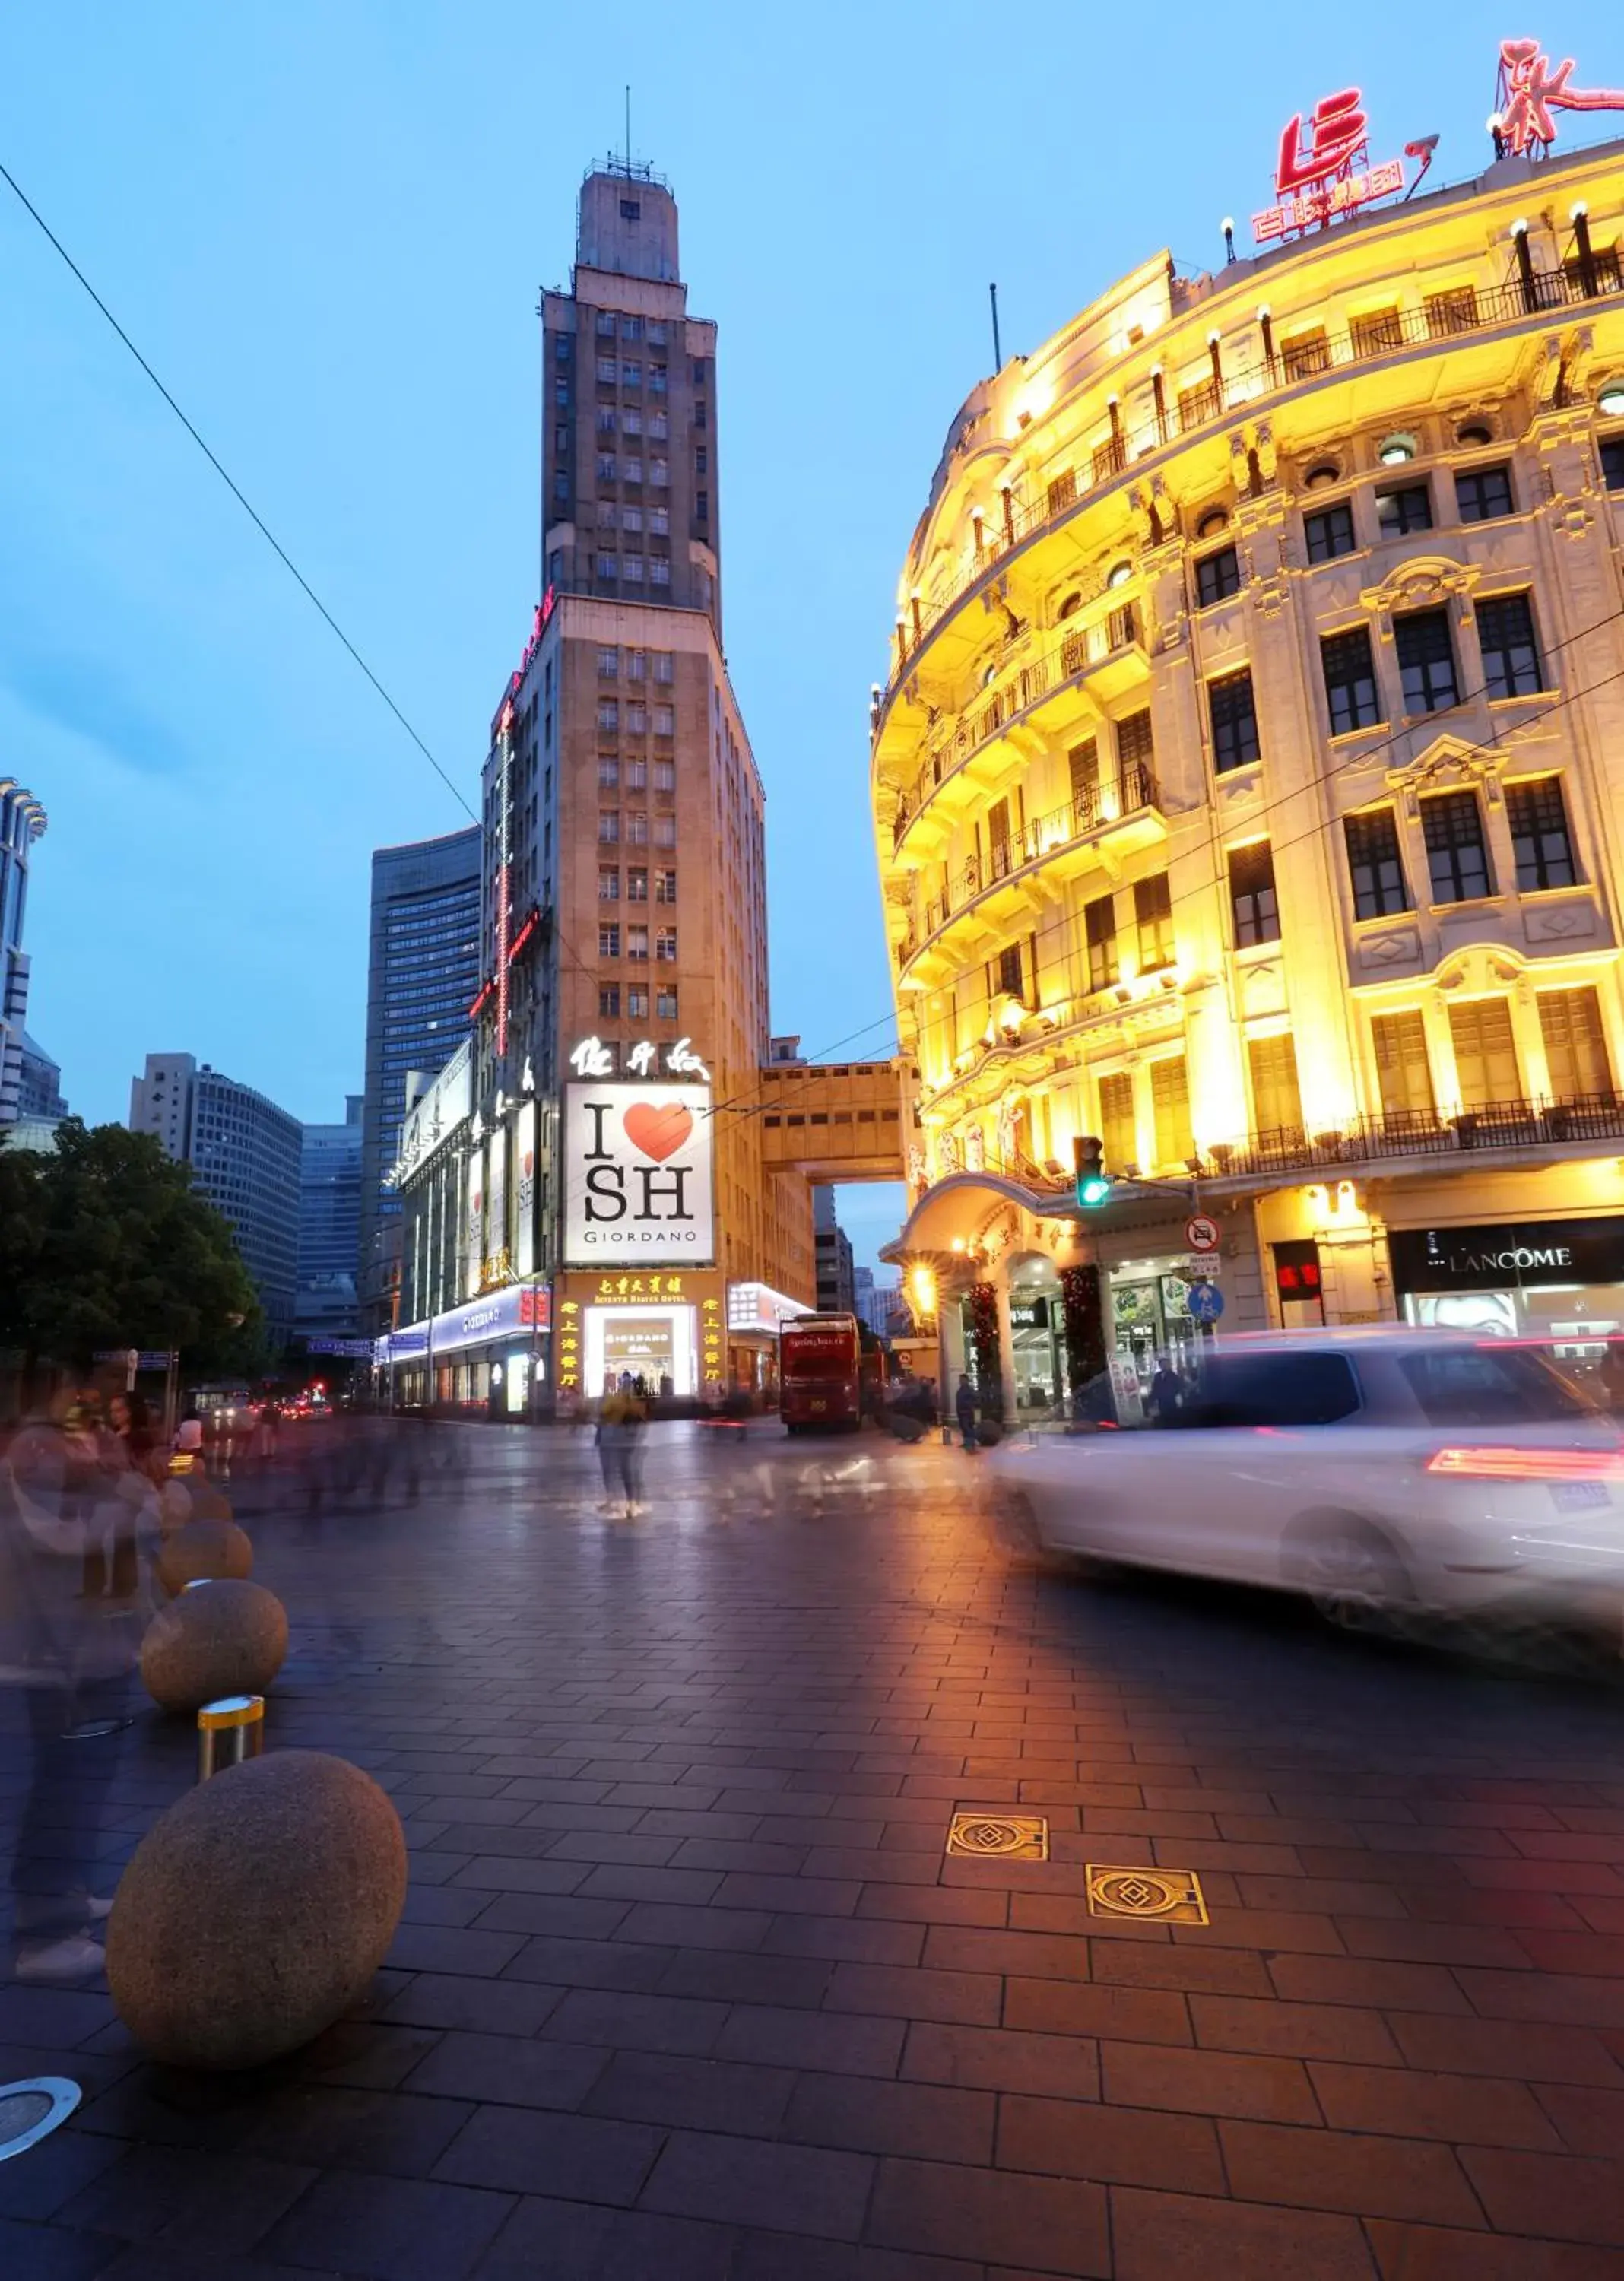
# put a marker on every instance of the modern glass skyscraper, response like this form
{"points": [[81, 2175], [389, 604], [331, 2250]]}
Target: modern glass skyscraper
{"points": [[244, 1153], [329, 1227], [422, 975]]}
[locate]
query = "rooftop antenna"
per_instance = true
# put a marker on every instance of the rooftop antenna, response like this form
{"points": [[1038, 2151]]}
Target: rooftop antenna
{"points": [[998, 359], [629, 129]]}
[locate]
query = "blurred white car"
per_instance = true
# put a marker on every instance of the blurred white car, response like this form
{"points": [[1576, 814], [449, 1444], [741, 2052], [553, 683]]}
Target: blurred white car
{"points": [[1377, 1469]]}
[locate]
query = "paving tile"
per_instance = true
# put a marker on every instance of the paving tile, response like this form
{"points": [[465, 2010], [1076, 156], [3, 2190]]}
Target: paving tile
{"points": [[841, 2044], [663, 1924], [1424, 2253], [509, 2070], [63, 2169], [1158, 2235], [1149, 2015], [1269, 2089], [397, 2230], [699, 2094], [1561, 2197], [892, 2118], [1330, 2031], [576, 2157], [1056, 2225], [1370, 1982], [450, 1949], [637, 2022], [1542, 2053], [329, 2128], [224, 2205], [996, 2059], [972, 1998], [1464, 2109], [1214, 1971], [1358, 2172], [571, 2241], [1110, 2145], [562, 1963], [850, 1939], [1589, 2121], [743, 2181], [490, 2007], [37, 2253]]}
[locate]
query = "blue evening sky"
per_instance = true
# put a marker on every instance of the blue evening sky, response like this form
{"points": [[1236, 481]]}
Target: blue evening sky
{"points": [[326, 223]]}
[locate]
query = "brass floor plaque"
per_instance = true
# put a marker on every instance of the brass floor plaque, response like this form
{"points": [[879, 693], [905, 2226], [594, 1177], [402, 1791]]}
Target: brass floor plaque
{"points": [[1000, 1836], [1160, 1896]]}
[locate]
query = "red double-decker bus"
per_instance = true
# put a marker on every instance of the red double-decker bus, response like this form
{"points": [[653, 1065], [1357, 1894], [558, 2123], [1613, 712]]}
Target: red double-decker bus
{"points": [[820, 1373]]}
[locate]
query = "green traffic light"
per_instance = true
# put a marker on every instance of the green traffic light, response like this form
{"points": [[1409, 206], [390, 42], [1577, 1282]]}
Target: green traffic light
{"points": [[1094, 1189]]}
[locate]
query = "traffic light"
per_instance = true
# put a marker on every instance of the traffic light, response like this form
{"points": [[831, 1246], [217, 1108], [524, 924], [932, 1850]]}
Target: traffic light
{"points": [[1093, 1183]]}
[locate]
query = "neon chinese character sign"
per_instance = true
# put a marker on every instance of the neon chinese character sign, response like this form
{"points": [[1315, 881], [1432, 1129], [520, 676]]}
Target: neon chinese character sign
{"points": [[1530, 90], [1321, 172], [1336, 137]]}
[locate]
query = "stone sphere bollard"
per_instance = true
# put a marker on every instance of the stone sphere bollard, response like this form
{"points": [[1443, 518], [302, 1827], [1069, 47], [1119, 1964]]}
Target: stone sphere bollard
{"points": [[256, 1910], [224, 1638], [204, 1548]]}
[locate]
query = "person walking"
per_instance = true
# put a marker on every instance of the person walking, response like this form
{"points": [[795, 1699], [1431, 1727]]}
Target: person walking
{"points": [[1166, 1397], [621, 1417], [964, 1408]]}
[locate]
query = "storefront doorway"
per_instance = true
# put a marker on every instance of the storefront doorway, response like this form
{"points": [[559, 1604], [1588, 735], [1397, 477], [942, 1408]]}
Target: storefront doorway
{"points": [[1037, 1338], [655, 1345], [1148, 1316]]}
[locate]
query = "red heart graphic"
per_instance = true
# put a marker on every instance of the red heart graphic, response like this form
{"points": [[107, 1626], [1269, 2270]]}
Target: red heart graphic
{"points": [[658, 1131]]}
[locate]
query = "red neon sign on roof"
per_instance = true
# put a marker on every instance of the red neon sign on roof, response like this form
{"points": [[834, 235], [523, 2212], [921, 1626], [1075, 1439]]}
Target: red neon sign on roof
{"points": [[1322, 172], [1337, 128], [1530, 90]]}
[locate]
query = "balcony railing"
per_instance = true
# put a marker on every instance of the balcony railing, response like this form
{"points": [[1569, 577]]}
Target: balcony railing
{"points": [[1536, 1123], [1061, 663], [1309, 355], [1091, 809]]}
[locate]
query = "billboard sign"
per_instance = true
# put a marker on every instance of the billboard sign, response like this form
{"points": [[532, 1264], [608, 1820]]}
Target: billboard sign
{"points": [[638, 1175], [436, 1113]]}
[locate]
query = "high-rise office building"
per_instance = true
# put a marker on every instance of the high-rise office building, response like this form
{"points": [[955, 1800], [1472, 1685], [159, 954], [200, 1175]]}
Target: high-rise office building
{"points": [[244, 1153], [325, 1304], [22, 820], [607, 1171], [422, 973], [39, 1092], [836, 1288]]}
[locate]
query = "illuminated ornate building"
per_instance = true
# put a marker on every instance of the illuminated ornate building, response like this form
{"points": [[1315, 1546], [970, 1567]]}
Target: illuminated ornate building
{"points": [[1250, 790]]}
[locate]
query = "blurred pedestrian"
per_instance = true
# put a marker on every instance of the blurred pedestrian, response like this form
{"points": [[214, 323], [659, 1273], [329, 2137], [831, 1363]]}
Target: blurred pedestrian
{"points": [[621, 1417], [59, 1651], [964, 1406], [1165, 1395]]}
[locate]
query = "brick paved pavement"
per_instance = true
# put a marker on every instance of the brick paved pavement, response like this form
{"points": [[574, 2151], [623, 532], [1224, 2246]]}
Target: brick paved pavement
{"points": [[687, 1988]]}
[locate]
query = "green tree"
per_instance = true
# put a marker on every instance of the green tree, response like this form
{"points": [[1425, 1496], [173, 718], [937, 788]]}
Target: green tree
{"points": [[104, 1243]]}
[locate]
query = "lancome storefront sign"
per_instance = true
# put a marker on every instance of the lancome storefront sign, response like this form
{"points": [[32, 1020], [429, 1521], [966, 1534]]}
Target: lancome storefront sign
{"points": [[1495, 1256]]}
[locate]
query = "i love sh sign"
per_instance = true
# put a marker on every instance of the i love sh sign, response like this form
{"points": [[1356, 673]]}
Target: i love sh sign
{"points": [[638, 1175]]}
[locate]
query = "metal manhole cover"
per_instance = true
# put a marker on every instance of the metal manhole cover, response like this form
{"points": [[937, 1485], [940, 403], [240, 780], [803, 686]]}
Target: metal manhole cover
{"points": [[30, 2110], [1163, 1896], [999, 1836]]}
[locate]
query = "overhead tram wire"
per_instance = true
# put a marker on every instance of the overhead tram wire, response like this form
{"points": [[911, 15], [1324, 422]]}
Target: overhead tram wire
{"points": [[235, 490], [252, 513]]}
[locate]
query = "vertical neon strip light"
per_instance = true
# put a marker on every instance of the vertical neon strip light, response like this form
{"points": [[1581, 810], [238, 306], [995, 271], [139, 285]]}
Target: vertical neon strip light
{"points": [[503, 871]]}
